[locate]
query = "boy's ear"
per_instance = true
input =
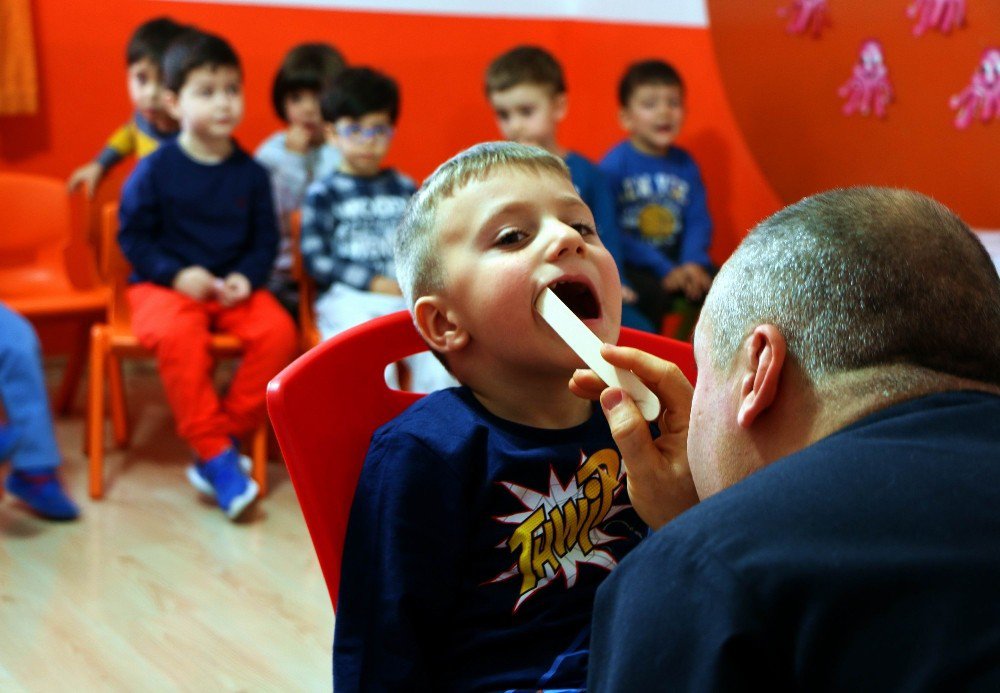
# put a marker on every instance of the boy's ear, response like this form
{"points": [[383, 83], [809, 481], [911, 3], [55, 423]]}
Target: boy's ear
{"points": [[624, 119], [170, 104], [560, 104], [436, 325]]}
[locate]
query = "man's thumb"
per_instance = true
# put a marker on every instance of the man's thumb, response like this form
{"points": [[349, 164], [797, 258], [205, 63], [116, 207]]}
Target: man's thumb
{"points": [[628, 428]]}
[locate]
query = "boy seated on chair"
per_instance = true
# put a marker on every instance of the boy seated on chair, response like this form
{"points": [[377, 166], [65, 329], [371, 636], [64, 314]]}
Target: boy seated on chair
{"points": [[198, 226], [487, 515]]}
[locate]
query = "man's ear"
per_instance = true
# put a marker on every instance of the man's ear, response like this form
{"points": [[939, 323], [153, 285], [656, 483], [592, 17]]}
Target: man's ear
{"points": [[170, 104], [437, 326], [764, 354]]}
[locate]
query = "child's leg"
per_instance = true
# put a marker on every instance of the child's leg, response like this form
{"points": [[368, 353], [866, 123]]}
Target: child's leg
{"points": [[270, 344], [22, 389], [176, 328]]}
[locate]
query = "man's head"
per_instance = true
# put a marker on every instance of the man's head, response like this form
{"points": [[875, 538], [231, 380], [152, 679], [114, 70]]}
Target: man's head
{"points": [[361, 110], [651, 97], [204, 84], [527, 90], [481, 239], [845, 302], [143, 55], [305, 75]]}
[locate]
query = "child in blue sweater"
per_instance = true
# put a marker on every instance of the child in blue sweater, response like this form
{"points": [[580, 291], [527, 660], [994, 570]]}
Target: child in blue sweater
{"points": [[661, 197], [487, 515]]}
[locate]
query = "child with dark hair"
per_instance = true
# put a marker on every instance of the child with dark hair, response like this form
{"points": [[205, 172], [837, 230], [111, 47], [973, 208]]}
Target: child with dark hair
{"points": [[298, 154], [349, 218], [527, 90], [198, 226], [150, 124], [661, 197]]}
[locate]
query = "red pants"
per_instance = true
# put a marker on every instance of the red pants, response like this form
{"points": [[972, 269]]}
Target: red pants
{"points": [[178, 328]]}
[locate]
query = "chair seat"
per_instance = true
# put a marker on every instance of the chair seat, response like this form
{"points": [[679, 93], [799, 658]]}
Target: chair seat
{"points": [[92, 300], [123, 342]]}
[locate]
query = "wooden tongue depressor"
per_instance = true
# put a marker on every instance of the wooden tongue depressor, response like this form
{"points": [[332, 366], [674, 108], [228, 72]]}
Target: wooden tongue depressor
{"points": [[588, 347]]}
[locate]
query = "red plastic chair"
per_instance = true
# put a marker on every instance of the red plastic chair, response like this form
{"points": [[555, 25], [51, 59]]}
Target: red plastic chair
{"points": [[47, 270], [326, 405]]}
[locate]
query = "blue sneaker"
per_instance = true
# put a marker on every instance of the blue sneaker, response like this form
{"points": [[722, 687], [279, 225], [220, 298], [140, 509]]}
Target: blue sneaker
{"points": [[42, 492], [222, 477], [8, 441]]}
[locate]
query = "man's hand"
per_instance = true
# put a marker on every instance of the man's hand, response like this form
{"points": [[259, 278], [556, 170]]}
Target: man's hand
{"points": [[88, 175], [659, 478], [195, 282], [384, 285], [234, 289]]}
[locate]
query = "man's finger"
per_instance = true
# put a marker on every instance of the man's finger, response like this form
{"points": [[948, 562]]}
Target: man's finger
{"points": [[631, 433], [664, 378]]}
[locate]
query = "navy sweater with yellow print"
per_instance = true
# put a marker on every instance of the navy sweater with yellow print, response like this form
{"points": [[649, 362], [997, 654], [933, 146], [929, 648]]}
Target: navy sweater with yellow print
{"points": [[474, 548]]}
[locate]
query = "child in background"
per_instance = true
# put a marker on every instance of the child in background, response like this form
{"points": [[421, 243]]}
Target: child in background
{"points": [[349, 218], [28, 438], [527, 90], [487, 515], [198, 226], [150, 124], [661, 197], [299, 154]]}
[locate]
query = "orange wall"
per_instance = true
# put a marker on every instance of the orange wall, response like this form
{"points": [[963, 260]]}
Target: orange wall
{"points": [[439, 62]]}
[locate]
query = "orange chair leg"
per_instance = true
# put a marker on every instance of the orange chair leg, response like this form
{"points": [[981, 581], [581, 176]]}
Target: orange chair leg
{"points": [[95, 409], [116, 395], [74, 371], [259, 456]]}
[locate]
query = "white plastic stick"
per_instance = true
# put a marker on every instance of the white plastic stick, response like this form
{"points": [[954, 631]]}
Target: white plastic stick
{"points": [[588, 347]]}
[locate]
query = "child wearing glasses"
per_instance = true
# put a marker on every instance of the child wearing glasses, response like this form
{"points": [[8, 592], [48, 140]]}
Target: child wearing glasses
{"points": [[349, 218]]}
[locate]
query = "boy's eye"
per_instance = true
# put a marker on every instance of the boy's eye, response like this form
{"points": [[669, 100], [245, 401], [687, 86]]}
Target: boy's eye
{"points": [[526, 111], [510, 237], [584, 229]]}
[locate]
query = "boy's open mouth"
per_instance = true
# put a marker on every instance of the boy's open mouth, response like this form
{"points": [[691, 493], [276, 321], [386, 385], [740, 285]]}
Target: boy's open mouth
{"points": [[578, 298]]}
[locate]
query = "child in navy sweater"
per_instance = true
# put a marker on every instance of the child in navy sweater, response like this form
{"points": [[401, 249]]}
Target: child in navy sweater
{"points": [[198, 226]]}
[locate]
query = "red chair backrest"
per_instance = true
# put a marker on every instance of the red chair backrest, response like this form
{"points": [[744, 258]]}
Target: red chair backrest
{"points": [[327, 404]]}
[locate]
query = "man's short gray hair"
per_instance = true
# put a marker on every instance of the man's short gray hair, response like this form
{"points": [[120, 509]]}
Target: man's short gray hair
{"points": [[418, 263], [861, 278]]}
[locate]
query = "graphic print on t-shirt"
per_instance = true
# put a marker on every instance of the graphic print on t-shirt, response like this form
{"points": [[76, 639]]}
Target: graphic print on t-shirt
{"points": [[561, 530]]}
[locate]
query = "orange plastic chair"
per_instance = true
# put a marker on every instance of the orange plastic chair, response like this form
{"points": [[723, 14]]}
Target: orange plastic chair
{"points": [[47, 270], [111, 342], [326, 405]]}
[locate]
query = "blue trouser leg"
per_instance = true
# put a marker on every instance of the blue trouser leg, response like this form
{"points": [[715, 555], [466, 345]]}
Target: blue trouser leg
{"points": [[22, 390]]}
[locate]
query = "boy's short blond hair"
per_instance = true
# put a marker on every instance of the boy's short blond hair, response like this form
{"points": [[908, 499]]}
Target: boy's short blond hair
{"points": [[418, 262], [525, 65]]}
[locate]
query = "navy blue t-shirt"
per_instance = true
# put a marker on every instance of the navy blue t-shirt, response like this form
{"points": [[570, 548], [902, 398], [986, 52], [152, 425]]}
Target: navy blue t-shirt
{"points": [[474, 548], [869, 561], [176, 212]]}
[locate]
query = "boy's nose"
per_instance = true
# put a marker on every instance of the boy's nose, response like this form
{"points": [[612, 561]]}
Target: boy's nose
{"points": [[564, 240]]}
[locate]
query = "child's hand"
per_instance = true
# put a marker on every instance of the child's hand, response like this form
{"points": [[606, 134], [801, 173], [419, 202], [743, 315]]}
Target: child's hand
{"points": [[629, 296], [235, 289], [298, 138], [697, 281], [385, 285], [195, 282], [674, 281], [88, 175]]}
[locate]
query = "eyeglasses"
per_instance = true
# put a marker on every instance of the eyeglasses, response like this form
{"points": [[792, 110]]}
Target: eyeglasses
{"points": [[353, 131]]}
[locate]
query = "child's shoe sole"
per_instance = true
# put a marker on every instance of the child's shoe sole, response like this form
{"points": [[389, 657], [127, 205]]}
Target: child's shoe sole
{"points": [[201, 483], [243, 501]]}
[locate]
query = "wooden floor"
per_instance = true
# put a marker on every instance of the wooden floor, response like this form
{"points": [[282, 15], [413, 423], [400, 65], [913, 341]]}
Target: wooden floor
{"points": [[154, 589]]}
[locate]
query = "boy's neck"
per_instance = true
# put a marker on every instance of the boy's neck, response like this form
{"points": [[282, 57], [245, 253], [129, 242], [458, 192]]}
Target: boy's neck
{"points": [[205, 151], [554, 149], [644, 148], [349, 170], [537, 402]]}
